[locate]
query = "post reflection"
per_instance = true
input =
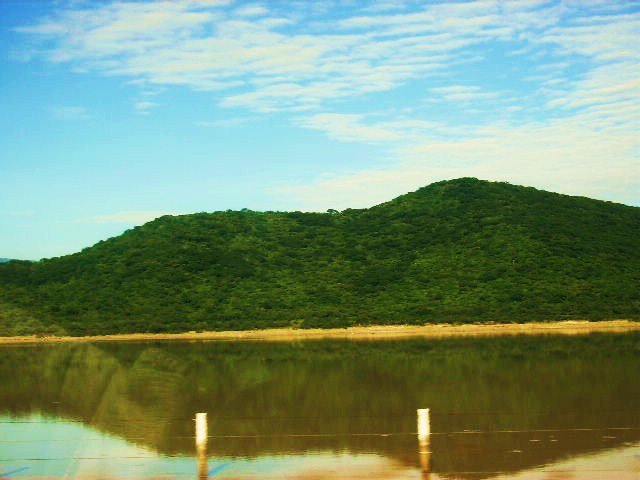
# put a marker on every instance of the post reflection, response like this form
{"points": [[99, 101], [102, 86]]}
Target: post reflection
{"points": [[425, 458], [424, 432]]}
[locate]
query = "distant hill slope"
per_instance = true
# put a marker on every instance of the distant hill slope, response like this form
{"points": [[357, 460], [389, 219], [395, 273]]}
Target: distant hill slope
{"points": [[5, 260], [460, 250]]}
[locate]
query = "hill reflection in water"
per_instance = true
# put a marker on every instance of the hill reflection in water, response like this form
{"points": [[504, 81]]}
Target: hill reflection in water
{"points": [[505, 405]]}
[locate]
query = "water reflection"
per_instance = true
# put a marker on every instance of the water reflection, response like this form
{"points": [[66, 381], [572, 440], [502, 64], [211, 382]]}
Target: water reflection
{"points": [[73, 450], [321, 409]]}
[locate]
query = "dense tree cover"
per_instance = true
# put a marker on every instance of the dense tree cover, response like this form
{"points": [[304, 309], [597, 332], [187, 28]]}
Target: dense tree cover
{"points": [[455, 251]]}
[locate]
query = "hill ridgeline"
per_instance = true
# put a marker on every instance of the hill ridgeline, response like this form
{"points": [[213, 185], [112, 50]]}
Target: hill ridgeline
{"points": [[464, 250]]}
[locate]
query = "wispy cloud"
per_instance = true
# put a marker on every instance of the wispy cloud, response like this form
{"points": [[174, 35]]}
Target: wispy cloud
{"points": [[67, 112], [574, 121], [589, 145], [225, 122], [265, 63], [367, 187], [386, 6], [255, 10], [366, 129], [350, 128], [587, 141], [143, 107], [572, 155], [461, 93]]}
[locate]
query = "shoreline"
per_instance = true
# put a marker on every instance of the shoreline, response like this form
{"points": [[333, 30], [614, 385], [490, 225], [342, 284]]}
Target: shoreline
{"points": [[382, 332]]}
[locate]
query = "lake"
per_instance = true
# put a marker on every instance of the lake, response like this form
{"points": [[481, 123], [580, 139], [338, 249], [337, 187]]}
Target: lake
{"points": [[525, 407]]}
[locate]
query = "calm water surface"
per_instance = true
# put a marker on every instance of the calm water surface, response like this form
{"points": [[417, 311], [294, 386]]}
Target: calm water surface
{"points": [[511, 407]]}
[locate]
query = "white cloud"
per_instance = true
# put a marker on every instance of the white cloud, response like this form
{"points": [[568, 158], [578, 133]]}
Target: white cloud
{"points": [[67, 112], [462, 93], [209, 3], [302, 60], [386, 6], [593, 152], [567, 155], [184, 43], [254, 10], [359, 128], [225, 122], [348, 128], [588, 143], [143, 107], [129, 217], [592, 149]]}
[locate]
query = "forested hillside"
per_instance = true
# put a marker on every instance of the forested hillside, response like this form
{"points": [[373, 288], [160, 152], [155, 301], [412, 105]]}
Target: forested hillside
{"points": [[455, 251]]}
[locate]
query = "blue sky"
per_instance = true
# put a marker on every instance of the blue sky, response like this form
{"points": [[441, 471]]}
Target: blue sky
{"points": [[115, 112]]}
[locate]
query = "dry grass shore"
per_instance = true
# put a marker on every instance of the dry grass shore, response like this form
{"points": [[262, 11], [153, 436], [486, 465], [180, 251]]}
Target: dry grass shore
{"points": [[574, 327]]}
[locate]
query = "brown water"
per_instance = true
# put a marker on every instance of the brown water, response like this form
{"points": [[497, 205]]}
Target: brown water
{"points": [[517, 407]]}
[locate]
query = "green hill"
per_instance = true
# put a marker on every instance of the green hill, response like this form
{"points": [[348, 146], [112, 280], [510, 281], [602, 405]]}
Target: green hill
{"points": [[455, 251]]}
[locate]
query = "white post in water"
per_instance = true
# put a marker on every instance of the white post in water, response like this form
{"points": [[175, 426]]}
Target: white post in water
{"points": [[424, 432], [201, 444], [424, 425]]}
